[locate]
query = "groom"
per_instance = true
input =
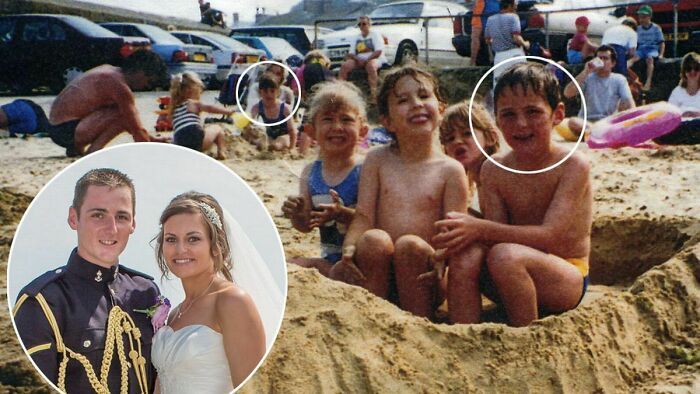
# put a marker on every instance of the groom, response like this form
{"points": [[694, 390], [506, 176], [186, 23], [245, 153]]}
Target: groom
{"points": [[77, 322]]}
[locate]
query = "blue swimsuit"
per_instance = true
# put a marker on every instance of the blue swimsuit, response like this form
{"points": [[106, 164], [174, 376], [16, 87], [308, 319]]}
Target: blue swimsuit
{"points": [[332, 233]]}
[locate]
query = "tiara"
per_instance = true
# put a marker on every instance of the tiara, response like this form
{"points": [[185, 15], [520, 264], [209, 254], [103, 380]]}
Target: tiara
{"points": [[210, 213]]}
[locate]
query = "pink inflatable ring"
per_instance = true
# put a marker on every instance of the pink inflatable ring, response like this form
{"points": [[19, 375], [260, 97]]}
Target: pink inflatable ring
{"points": [[635, 126]]}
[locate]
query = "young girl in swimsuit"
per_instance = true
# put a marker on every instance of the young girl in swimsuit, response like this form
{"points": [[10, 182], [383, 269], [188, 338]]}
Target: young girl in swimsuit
{"points": [[282, 136], [185, 92], [328, 186]]}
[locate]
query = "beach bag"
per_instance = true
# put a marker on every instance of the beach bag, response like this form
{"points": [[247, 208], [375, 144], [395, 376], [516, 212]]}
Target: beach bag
{"points": [[227, 94]]}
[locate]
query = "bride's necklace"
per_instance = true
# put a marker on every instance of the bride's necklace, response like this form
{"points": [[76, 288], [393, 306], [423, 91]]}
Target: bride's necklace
{"points": [[182, 312]]}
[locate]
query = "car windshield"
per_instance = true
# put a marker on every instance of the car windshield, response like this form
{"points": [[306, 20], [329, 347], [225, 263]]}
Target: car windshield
{"points": [[229, 43], [89, 28], [159, 35], [406, 10], [279, 47]]}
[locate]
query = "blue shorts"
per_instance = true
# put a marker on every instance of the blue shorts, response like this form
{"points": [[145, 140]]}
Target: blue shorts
{"points": [[25, 117], [647, 52], [574, 57], [333, 257]]}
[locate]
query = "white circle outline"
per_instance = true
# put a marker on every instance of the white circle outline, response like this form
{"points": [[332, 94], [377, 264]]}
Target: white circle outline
{"points": [[583, 103], [81, 161], [238, 99]]}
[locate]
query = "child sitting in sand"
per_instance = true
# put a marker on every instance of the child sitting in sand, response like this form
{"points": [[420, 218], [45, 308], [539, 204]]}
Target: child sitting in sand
{"points": [[457, 138], [283, 135], [328, 186], [405, 188], [538, 225], [458, 141], [185, 107]]}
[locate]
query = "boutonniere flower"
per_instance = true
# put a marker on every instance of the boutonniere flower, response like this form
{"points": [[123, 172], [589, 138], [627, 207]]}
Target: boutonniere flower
{"points": [[158, 312]]}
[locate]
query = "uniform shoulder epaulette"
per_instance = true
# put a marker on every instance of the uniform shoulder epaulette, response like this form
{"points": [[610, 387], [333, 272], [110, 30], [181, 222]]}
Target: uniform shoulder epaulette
{"points": [[38, 284], [133, 272]]}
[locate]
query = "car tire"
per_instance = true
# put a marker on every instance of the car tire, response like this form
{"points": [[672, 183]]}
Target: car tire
{"points": [[64, 77], [406, 53]]}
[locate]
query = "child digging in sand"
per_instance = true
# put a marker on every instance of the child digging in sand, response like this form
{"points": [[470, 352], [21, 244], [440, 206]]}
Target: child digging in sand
{"points": [[404, 189], [272, 110], [185, 107], [538, 225], [328, 186]]}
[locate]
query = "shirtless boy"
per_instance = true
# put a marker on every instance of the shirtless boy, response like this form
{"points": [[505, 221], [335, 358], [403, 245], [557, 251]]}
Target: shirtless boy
{"points": [[404, 189], [538, 225], [97, 106]]}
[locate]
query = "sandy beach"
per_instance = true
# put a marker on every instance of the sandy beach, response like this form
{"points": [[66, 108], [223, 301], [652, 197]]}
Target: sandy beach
{"points": [[638, 329]]}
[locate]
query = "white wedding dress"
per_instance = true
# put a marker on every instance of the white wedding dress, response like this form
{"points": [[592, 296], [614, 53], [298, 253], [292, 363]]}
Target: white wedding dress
{"points": [[191, 360]]}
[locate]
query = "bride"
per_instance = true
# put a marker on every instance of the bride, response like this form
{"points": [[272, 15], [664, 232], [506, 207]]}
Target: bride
{"points": [[214, 339]]}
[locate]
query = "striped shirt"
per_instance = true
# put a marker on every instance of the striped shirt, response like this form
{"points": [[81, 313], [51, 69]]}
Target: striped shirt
{"points": [[183, 118]]}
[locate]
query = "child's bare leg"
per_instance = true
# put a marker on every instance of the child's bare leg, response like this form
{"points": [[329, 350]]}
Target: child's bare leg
{"points": [[527, 279], [373, 257], [411, 259], [650, 72], [214, 134], [463, 296], [322, 265]]}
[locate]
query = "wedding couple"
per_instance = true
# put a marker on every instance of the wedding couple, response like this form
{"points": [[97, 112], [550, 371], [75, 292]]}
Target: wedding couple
{"points": [[89, 325]]}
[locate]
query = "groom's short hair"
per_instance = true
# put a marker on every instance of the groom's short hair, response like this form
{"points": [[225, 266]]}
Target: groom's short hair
{"points": [[102, 177]]}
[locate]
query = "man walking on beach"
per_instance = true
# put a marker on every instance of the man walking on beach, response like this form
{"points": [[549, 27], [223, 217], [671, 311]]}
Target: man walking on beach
{"points": [[97, 106], [77, 322]]}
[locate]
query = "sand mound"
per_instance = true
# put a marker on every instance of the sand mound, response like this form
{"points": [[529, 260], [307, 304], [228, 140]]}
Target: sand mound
{"points": [[640, 336]]}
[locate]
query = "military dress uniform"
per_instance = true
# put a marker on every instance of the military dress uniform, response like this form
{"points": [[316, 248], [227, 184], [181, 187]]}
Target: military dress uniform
{"points": [[78, 324]]}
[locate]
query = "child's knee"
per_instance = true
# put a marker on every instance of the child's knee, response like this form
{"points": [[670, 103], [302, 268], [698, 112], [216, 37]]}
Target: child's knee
{"points": [[375, 241], [503, 259]]}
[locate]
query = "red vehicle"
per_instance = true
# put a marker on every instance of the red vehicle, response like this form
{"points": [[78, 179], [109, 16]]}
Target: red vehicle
{"points": [[688, 24]]}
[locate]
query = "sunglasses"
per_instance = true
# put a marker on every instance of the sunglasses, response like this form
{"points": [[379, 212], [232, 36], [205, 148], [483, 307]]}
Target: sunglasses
{"points": [[363, 24], [694, 67]]}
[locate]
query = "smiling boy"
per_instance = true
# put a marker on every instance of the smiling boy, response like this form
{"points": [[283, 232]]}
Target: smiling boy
{"points": [[537, 225]]}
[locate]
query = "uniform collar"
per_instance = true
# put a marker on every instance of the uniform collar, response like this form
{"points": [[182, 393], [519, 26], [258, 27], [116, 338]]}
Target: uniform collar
{"points": [[90, 271]]}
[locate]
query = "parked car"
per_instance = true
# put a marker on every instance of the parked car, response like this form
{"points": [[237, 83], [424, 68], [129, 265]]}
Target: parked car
{"points": [[275, 48], [403, 38], [560, 25], [227, 51], [688, 24], [178, 56], [300, 36], [50, 50]]}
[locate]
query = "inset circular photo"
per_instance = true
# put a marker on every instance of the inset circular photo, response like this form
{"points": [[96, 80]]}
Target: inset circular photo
{"points": [[147, 268]]}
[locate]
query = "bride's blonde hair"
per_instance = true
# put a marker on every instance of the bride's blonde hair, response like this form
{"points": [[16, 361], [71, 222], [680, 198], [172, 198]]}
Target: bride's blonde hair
{"points": [[212, 214]]}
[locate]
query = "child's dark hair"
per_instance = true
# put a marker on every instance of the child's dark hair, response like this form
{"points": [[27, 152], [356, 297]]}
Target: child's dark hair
{"points": [[268, 82], [531, 76], [391, 78]]}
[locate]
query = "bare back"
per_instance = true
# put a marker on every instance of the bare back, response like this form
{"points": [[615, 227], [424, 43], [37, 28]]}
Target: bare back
{"points": [[100, 87], [561, 198]]}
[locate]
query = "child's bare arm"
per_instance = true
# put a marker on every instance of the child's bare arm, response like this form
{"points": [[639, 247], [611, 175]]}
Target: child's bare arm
{"points": [[367, 197], [298, 208], [215, 109], [561, 225], [291, 127], [456, 189]]}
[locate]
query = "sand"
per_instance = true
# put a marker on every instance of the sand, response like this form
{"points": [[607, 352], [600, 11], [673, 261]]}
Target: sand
{"points": [[638, 329]]}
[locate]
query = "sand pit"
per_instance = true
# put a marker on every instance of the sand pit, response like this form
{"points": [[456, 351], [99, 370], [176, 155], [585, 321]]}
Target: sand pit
{"points": [[638, 329]]}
